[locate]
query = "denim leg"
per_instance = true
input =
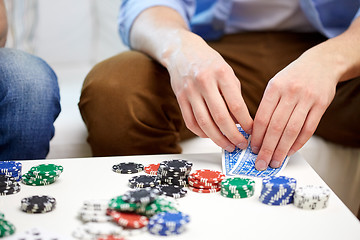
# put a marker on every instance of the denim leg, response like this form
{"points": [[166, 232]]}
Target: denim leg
{"points": [[29, 105]]}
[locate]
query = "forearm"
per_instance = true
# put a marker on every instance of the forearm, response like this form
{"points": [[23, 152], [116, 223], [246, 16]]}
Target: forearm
{"points": [[341, 54], [159, 32], [3, 24]]}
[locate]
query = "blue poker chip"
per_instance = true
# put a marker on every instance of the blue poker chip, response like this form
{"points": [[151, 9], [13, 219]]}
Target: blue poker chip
{"points": [[279, 182], [10, 167], [277, 191], [168, 223]]}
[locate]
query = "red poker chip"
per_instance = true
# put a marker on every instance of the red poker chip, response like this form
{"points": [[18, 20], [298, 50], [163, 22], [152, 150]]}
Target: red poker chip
{"points": [[197, 184], [204, 190], [152, 169], [111, 237], [208, 176], [129, 219]]}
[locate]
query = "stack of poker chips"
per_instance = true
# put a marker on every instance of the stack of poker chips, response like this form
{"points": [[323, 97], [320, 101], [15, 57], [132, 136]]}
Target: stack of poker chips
{"points": [[6, 227], [43, 174], [311, 197], [174, 172], [38, 204], [10, 174], [94, 211], [277, 190], [168, 223], [237, 187], [205, 181]]}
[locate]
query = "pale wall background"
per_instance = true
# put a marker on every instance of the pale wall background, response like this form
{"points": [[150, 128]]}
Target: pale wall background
{"points": [[74, 35]]}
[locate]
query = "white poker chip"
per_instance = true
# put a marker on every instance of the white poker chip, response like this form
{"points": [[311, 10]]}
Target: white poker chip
{"points": [[311, 197], [96, 204], [103, 228], [81, 234]]}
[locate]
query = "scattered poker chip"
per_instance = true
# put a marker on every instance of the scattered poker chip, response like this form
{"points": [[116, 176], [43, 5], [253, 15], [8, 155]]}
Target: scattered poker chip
{"points": [[111, 237], [168, 223], [81, 234], [10, 167], [311, 197], [90, 214], [119, 204], [38, 204], [208, 176], [161, 204], [46, 170], [28, 180], [96, 204], [102, 229], [172, 191], [277, 191], [141, 195], [152, 169], [144, 181], [6, 228], [128, 167], [129, 220], [204, 190]]}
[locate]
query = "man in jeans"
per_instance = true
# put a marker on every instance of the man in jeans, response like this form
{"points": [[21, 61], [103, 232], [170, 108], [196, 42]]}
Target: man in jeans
{"points": [[29, 101]]}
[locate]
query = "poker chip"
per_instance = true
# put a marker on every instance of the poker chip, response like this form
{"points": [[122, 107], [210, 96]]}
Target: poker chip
{"points": [[161, 204], [10, 190], [119, 204], [6, 228], [46, 170], [28, 180], [102, 229], [168, 223], [277, 191], [111, 237], [94, 212], [143, 181], [38, 204], [81, 234], [204, 190], [2, 216], [311, 197], [152, 169], [237, 187], [129, 220], [95, 204], [128, 167], [10, 167], [141, 195], [208, 176], [197, 184], [174, 172], [172, 191]]}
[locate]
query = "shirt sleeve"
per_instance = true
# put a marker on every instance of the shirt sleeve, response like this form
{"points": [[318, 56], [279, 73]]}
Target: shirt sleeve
{"points": [[130, 9]]}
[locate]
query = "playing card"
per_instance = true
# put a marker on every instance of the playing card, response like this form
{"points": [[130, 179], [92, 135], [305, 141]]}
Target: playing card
{"points": [[242, 162]]}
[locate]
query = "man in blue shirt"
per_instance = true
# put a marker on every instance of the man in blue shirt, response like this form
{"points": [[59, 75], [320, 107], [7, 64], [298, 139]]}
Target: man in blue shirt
{"points": [[277, 68]]}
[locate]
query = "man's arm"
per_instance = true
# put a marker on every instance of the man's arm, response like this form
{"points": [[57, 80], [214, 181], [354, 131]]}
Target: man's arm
{"points": [[3, 24], [206, 87], [297, 97]]}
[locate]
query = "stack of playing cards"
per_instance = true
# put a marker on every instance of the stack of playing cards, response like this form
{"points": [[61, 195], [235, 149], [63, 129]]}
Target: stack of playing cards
{"points": [[242, 162]]}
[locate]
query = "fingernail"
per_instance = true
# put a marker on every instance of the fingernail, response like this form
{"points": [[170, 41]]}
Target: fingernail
{"points": [[242, 145], [255, 150], [230, 148], [291, 152], [260, 165], [275, 164]]}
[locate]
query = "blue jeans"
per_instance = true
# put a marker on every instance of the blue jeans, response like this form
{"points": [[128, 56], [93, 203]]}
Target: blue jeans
{"points": [[29, 105]]}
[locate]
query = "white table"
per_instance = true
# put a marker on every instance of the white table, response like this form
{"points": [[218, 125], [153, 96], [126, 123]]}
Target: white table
{"points": [[212, 216]]}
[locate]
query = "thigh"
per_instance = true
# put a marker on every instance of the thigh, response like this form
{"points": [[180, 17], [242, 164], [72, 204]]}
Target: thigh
{"points": [[129, 107]]}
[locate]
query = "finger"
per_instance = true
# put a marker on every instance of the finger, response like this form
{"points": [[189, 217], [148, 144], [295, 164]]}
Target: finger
{"points": [[275, 129], [221, 116], [291, 132], [310, 125], [189, 117], [262, 118], [208, 126], [236, 104]]}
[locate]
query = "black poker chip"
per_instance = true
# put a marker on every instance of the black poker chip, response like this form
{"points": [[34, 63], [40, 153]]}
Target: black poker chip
{"points": [[10, 191], [128, 167], [172, 190], [176, 165], [38, 204], [144, 181], [141, 195], [6, 183], [10, 186]]}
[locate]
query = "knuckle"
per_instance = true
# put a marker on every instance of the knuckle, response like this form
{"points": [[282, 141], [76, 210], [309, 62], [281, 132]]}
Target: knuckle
{"points": [[260, 122]]}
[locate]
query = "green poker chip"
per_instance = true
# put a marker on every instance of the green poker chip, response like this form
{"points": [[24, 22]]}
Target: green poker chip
{"points": [[237, 187], [46, 170], [28, 180], [6, 228], [119, 204], [159, 205]]}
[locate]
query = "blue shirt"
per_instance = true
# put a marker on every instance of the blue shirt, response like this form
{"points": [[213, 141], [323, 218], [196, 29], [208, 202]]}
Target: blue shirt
{"points": [[207, 19]]}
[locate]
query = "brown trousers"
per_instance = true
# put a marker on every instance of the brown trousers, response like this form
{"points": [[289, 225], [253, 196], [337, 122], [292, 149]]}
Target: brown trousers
{"points": [[129, 107]]}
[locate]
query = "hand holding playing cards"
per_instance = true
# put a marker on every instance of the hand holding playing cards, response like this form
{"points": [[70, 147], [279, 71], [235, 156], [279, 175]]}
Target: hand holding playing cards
{"points": [[208, 93], [292, 105]]}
